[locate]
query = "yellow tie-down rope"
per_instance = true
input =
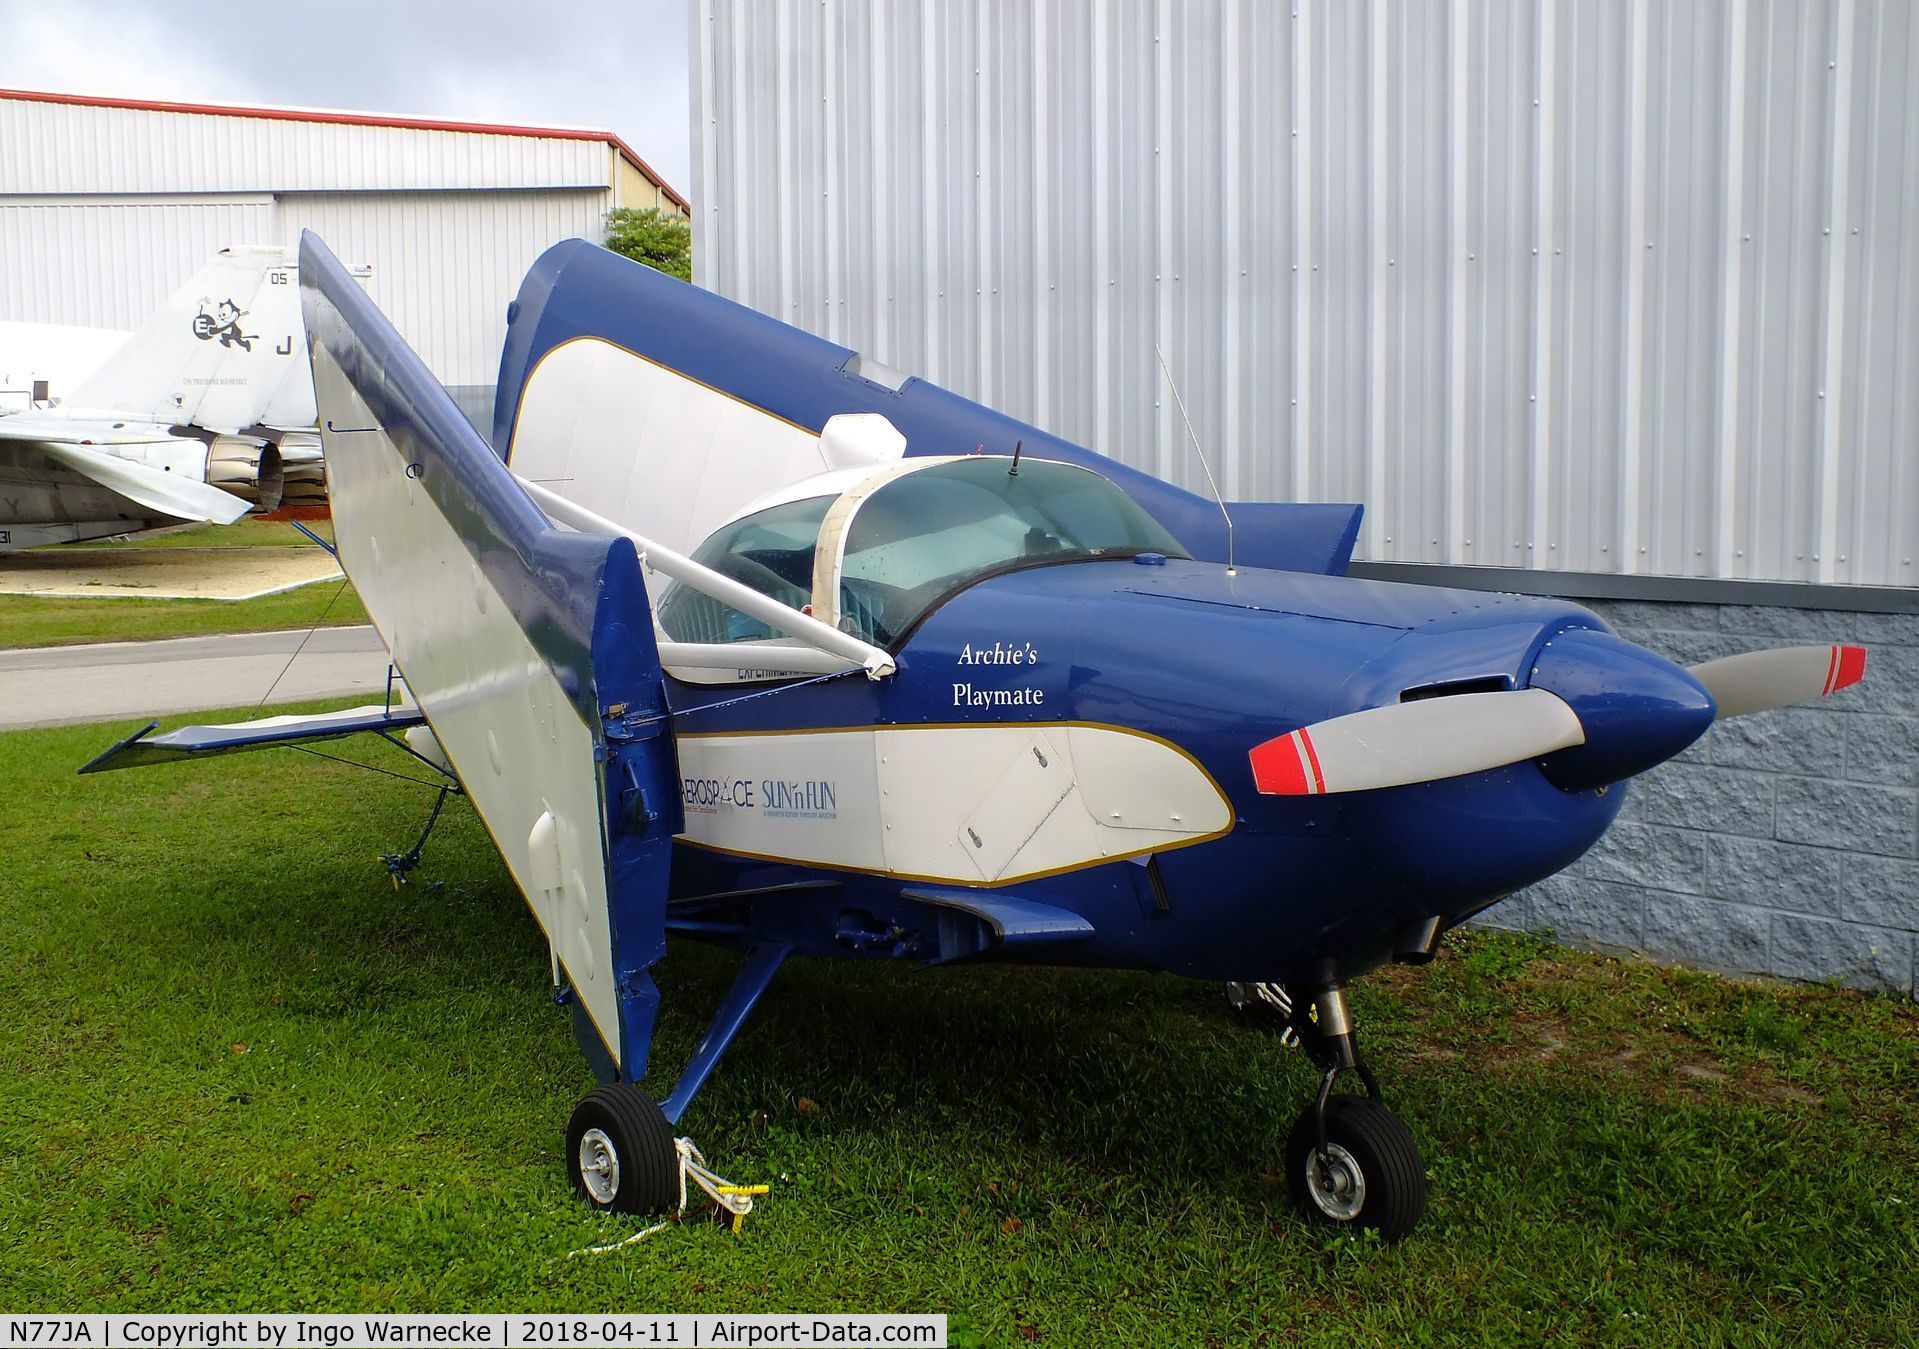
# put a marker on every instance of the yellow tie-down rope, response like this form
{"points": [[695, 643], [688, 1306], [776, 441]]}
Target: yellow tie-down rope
{"points": [[735, 1199]]}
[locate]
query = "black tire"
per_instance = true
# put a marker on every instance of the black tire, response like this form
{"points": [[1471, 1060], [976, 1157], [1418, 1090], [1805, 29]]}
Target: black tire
{"points": [[628, 1131], [1375, 1143]]}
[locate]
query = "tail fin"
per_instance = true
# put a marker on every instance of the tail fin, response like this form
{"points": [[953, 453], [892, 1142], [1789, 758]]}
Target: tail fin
{"points": [[224, 353], [529, 649]]}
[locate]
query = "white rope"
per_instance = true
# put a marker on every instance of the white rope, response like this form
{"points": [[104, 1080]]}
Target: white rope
{"points": [[735, 1199], [637, 1236]]}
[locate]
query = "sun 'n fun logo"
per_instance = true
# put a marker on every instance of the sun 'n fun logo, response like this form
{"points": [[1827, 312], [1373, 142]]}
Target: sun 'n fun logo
{"points": [[800, 799], [772, 798]]}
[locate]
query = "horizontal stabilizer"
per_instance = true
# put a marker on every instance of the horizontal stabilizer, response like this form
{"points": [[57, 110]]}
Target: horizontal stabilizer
{"points": [[1014, 921], [1315, 537], [203, 742], [152, 488], [1421, 741]]}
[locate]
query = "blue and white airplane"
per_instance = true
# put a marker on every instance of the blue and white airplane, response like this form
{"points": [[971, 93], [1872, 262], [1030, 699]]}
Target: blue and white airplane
{"points": [[742, 636]]}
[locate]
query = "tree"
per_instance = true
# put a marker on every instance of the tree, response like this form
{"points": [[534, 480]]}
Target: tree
{"points": [[660, 240]]}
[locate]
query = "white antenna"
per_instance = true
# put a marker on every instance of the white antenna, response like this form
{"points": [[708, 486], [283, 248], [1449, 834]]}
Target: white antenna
{"points": [[1181, 404]]}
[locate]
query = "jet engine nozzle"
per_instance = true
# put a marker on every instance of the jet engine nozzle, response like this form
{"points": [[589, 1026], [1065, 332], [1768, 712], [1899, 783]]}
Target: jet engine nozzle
{"points": [[303, 471], [1638, 709], [249, 469]]}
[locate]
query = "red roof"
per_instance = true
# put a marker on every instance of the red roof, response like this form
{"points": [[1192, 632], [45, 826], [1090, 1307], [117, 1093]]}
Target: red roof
{"points": [[561, 133]]}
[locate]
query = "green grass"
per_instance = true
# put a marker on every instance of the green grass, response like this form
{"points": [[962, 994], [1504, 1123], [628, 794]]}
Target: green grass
{"points": [[250, 532], [36, 620], [239, 1071]]}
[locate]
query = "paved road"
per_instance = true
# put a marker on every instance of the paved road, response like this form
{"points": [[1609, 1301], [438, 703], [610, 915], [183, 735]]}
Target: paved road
{"points": [[62, 685]]}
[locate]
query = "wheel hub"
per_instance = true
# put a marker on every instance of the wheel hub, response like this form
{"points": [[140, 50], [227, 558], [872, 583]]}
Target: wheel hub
{"points": [[1335, 1182], [599, 1166]]}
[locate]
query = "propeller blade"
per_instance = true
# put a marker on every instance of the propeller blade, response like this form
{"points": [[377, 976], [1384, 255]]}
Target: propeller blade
{"points": [[1419, 741], [1757, 681]]}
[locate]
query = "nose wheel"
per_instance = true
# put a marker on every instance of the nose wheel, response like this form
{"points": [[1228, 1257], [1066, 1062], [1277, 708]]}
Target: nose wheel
{"points": [[1367, 1173], [1350, 1162]]}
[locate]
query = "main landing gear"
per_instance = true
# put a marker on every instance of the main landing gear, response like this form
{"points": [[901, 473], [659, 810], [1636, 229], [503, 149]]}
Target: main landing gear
{"points": [[620, 1146], [1350, 1162], [620, 1152]]}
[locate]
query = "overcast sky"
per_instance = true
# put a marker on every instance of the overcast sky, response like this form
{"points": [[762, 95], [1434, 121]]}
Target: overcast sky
{"points": [[619, 65]]}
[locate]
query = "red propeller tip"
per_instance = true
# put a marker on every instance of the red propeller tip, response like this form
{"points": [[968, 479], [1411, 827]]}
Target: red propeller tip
{"points": [[1288, 765], [1848, 667]]}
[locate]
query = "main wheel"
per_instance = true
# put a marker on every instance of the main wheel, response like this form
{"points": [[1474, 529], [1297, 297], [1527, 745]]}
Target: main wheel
{"points": [[620, 1152], [1371, 1175]]}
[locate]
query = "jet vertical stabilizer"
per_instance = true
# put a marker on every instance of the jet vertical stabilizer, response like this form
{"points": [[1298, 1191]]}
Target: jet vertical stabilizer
{"points": [[218, 355]]}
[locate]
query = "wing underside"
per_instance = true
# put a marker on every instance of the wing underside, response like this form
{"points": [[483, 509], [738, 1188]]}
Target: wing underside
{"points": [[528, 648]]}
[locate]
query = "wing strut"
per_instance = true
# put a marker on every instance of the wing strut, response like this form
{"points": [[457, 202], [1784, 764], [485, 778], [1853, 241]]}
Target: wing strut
{"points": [[821, 636]]}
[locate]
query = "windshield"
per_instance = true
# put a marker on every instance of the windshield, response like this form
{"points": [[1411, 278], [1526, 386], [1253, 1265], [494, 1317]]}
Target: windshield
{"points": [[912, 542], [927, 534], [771, 551]]}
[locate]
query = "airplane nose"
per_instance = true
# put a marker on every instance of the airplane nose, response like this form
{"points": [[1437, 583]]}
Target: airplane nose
{"points": [[1638, 709]]}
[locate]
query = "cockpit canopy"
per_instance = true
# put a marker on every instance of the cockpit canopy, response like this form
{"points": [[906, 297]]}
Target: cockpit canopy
{"points": [[873, 558]]}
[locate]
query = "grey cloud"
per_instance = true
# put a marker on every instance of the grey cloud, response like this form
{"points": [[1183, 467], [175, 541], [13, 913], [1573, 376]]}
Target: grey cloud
{"points": [[620, 67]]}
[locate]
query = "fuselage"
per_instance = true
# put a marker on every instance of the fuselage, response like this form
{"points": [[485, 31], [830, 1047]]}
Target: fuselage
{"points": [[1120, 736], [1185, 656]]}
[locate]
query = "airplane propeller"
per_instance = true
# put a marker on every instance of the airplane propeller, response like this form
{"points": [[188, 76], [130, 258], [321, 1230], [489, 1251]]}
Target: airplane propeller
{"points": [[1636, 708], [1403, 743], [1757, 681]]}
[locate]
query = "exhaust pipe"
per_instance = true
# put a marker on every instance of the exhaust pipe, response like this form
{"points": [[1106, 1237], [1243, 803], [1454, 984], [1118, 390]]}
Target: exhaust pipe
{"points": [[1418, 942], [304, 468], [249, 469]]}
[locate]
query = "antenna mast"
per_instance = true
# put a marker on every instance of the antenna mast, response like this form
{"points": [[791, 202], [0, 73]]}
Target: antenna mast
{"points": [[1190, 435]]}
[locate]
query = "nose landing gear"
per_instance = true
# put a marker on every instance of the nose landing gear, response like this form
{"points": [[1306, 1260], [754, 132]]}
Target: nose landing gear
{"points": [[1350, 1162]]}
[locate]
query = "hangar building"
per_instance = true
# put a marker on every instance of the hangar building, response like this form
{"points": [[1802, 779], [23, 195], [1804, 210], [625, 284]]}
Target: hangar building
{"points": [[108, 204], [1618, 302]]}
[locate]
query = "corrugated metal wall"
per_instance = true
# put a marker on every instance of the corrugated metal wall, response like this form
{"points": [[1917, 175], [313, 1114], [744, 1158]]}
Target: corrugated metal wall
{"points": [[104, 211], [110, 262], [1607, 285], [445, 264], [68, 147]]}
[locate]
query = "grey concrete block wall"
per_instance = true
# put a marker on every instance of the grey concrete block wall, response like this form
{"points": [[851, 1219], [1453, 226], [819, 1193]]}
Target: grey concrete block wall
{"points": [[1782, 844]]}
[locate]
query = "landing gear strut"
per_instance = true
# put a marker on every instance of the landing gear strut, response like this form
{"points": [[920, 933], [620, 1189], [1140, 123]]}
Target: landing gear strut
{"points": [[1350, 1162]]}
